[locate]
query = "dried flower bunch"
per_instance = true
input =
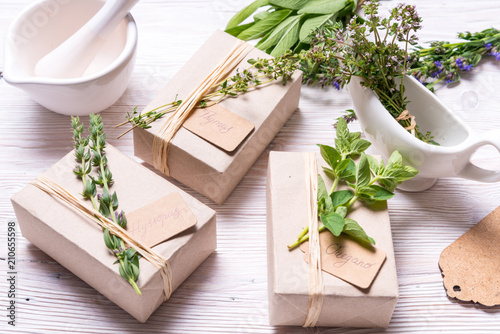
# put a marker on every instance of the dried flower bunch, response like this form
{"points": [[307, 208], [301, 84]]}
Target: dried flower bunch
{"points": [[90, 152]]}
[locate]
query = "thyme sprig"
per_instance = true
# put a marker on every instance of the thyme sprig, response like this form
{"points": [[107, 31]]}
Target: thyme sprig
{"points": [[370, 180], [90, 152], [261, 72]]}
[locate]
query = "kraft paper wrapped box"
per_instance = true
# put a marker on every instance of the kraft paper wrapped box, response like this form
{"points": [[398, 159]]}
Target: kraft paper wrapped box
{"points": [[77, 243], [345, 305], [197, 163]]}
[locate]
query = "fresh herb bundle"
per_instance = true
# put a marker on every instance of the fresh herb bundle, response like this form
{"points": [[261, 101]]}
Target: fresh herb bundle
{"points": [[90, 152], [261, 72], [445, 61], [369, 179], [287, 24]]}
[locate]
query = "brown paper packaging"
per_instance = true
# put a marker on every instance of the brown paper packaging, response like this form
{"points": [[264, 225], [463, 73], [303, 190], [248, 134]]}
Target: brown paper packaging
{"points": [[78, 244], [288, 280], [196, 162]]}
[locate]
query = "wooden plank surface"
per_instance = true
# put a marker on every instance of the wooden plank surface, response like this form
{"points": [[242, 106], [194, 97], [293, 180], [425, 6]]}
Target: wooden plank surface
{"points": [[228, 293]]}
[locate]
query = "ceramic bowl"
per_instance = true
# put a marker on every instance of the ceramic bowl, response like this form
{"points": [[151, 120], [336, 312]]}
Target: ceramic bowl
{"points": [[42, 27], [457, 140]]}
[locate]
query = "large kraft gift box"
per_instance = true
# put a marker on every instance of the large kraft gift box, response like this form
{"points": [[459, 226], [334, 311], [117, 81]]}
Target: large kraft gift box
{"points": [[77, 243], [345, 305], [197, 163]]}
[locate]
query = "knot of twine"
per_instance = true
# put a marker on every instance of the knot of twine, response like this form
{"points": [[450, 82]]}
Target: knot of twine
{"points": [[406, 115]]}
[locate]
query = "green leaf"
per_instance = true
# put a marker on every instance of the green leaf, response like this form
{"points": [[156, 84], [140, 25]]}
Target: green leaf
{"points": [[342, 211], [367, 191], [323, 194], [352, 228], [107, 239], [261, 15], [341, 197], [238, 29], [323, 6], [381, 194], [330, 173], [263, 26], [394, 160], [311, 24], [333, 222], [122, 272], [359, 145], [103, 209], [388, 184], [292, 4], [363, 176], [330, 155], [114, 200], [373, 164], [349, 173], [342, 130], [275, 35], [342, 165], [289, 38], [342, 145], [246, 12]]}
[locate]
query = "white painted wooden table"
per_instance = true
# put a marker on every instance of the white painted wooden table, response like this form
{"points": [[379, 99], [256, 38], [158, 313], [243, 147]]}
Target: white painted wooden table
{"points": [[228, 293]]}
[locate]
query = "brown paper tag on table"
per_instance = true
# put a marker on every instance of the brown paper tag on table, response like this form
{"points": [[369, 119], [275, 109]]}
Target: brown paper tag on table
{"points": [[158, 221], [219, 126], [471, 264], [348, 260]]}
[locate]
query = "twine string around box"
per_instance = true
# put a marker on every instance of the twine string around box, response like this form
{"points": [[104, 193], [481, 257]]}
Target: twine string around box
{"points": [[161, 142], [316, 288], [65, 197]]}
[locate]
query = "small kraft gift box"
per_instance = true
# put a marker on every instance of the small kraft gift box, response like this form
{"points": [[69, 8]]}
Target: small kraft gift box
{"points": [[304, 295], [152, 205], [214, 147]]}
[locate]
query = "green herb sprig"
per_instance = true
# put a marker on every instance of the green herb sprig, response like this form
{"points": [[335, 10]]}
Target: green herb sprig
{"points": [[370, 180], [90, 152], [260, 72], [287, 24], [445, 61]]}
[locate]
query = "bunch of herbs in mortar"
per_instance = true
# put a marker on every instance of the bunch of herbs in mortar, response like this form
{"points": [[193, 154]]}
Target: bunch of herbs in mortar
{"points": [[260, 72], [370, 180], [90, 152], [287, 24]]}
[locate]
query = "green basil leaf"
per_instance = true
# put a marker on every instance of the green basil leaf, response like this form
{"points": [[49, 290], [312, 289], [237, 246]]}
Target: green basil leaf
{"points": [[311, 24], [352, 228], [374, 165], [342, 165], [245, 13], [235, 31], [359, 145], [289, 38], [263, 26], [341, 197], [333, 222], [323, 7], [381, 194], [363, 176], [323, 194], [330, 155], [342, 130], [292, 4], [349, 173]]}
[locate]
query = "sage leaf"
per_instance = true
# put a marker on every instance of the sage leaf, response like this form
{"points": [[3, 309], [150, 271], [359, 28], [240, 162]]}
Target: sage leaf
{"points": [[245, 13], [363, 176], [352, 228], [289, 38], [323, 7], [235, 31], [333, 222], [261, 15], [311, 24], [341, 197], [263, 26], [275, 35], [292, 4]]}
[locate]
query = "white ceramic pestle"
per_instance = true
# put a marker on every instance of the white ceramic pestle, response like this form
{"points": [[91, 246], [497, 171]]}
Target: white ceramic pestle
{"points": [[73, 56]]}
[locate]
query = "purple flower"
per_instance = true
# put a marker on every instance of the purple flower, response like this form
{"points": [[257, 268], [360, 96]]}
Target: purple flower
{"points": [[336, 84], [438, 64], [487, 46], [495, 54]]}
